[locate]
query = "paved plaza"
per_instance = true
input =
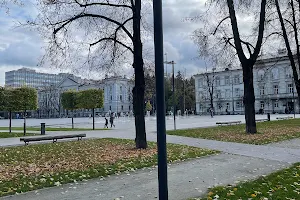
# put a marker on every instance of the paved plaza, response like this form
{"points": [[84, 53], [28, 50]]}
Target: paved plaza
{"points": [[127, 123], [236, 162]]}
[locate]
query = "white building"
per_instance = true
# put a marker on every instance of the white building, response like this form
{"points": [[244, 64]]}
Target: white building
{"points": [[117, 96], [273, 86]]}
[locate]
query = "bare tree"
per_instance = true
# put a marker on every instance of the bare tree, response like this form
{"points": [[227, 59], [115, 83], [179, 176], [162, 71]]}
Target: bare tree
{"points": [[97, 35], [49, 100], [290, 34], [210, 88], [229, 35]]}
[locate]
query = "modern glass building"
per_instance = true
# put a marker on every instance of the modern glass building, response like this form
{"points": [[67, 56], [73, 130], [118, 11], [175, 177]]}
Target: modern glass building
{"points": [[31, 78]]}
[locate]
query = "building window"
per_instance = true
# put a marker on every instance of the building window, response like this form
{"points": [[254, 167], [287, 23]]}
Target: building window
{"points": [[121, 89], [237, 92], [227, 80], [276, 105], [275, 89], [238, 104], [122, 107], [200, 83], [236, 79], [109, 107], [129, 107], [290, 88], [262, 90], [217, 81], [111, 97], [288, 73], [262, 105], [275, 73], [120, 97], [227, 93], [227, 106], [261, 75], [218, 94]]}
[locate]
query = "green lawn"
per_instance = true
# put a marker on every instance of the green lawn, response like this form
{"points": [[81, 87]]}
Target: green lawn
{"points": [[26, 168], [284, 184], [268, 132], [52, 129], [9, 135]]}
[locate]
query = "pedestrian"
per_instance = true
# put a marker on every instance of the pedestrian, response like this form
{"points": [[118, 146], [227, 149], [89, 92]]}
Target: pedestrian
{"points": [[111, 120], [106, 123]]}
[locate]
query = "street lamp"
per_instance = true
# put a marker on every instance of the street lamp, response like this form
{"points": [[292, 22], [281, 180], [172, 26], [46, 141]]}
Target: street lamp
{"points": [[173, 85]]}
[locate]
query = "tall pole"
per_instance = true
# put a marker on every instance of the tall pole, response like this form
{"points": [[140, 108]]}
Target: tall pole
{"points": [[166, 54], [184, 90], [174, 107], [160, 101], [232, 93]]}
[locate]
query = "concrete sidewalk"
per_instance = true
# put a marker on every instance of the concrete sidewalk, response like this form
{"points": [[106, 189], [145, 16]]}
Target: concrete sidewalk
{"points": [[186, 180]]}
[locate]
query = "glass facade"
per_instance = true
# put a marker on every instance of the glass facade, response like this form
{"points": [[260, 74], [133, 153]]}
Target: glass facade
{"points": [[31, 78]]}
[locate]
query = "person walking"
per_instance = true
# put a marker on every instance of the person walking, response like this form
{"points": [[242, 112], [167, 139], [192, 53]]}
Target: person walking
{"points": [[111, 120], [106, 123]]}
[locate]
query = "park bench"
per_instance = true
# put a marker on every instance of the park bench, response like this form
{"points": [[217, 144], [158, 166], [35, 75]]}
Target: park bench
{"points": [[261, 120], [228, 123], [284, 118], [54, 138]]}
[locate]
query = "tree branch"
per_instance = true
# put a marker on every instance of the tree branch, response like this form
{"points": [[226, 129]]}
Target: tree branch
{"points": [[82, 15], [113, 39], [102, 4], [260, 30], [220, 24]]}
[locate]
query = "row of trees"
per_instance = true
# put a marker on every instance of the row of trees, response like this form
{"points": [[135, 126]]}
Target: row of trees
{"points": [[18, 99], [85, 99], [184, 92]]}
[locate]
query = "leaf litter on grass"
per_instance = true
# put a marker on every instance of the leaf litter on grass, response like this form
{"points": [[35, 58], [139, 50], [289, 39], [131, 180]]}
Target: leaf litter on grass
{"points": [[31, 167]]}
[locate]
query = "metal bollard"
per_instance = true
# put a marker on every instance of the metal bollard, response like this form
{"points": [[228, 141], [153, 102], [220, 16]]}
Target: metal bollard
{"points": [[269, 117], [43, 129]]}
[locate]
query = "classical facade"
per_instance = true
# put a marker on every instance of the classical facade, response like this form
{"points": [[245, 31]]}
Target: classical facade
{"points": [[117, 96], [274, 89]]}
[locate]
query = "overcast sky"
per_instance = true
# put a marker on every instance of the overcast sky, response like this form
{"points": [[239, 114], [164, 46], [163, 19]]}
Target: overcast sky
{"points": [[20, 47]]}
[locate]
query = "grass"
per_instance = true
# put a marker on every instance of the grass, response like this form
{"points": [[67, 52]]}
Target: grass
{"points": [[52, 129], [284, 184], [268, 132], [26, 168], [9, 135]]}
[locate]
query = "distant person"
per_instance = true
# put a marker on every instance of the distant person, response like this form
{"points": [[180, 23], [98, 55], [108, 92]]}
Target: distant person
{"points": [[211, 113], [106, 123], [111, 120]]}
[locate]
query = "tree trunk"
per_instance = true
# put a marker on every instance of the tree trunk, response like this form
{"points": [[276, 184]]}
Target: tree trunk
{"points": [[298, 92], [93, 118], [24, 122], [139, 88], [249, 98], [72, 119], [10, 121]]}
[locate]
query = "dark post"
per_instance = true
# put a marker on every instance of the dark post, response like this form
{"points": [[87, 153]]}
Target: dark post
{"points": [[160, 101], [269, 117], [174, 106], [93, 118], [10, 117], [43, 129], [24, 122]]}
